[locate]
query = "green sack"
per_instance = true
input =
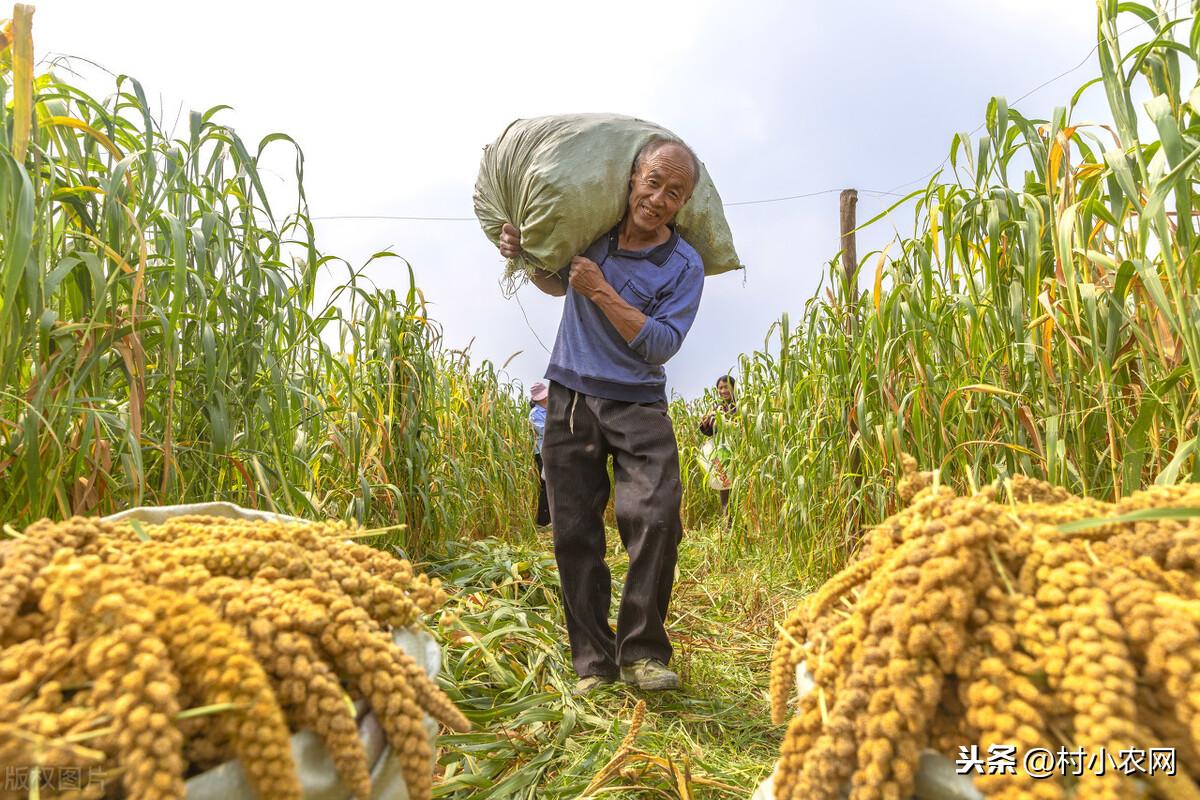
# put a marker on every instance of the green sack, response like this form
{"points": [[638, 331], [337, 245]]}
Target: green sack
{"points": [[563, 181]]}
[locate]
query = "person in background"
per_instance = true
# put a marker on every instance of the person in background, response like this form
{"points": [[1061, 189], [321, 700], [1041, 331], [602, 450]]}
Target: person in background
{"points": [[538, 399], [716, 451]]}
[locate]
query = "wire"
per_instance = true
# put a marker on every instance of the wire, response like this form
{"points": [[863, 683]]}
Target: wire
{"points": [[529, 325], [1083, 62], [393, 217], [1088, 58], [878, 192], [727, 205], [781, 199]]}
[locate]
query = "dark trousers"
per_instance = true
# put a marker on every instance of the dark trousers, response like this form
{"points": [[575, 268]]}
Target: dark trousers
{"points": [[581, 433], [542, 515]]}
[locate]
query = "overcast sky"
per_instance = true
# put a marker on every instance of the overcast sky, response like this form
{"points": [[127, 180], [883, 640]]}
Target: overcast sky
{"points": [[392, 102]]}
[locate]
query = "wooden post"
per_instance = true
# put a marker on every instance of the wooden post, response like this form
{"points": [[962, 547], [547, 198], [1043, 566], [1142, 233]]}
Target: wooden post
{"points": [[849, 201]]}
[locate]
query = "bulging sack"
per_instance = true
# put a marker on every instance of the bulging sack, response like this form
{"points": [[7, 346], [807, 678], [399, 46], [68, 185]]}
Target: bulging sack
{"points": [[563, 181]]}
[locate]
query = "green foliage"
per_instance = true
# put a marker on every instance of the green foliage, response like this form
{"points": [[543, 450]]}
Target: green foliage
{"points": [[163, 343], [1042, 319]]}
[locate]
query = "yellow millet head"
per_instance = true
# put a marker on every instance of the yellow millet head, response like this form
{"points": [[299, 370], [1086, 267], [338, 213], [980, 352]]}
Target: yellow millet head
{"points": [[201, 611], [977, 620]]}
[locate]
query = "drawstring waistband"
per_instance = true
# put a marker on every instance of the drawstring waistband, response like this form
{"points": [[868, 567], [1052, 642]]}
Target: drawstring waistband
{"points": [[571, 420]]}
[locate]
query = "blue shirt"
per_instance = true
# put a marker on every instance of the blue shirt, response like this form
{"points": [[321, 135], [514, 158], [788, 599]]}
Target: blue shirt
{"points": [[537, 418], [665, 284]]}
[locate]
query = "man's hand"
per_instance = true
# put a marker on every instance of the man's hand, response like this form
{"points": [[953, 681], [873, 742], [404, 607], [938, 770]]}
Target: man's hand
{"points": [[510, 241], [510, 246], [586, 277]]}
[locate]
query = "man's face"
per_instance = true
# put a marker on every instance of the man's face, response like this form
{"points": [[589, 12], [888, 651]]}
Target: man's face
{"points": [[659, 187], [723, 389]]}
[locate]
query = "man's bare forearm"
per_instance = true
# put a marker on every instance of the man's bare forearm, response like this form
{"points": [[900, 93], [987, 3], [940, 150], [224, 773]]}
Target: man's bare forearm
{"points": [[625, 318]]}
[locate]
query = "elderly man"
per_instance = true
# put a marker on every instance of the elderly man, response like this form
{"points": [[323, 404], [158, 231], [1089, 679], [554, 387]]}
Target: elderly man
{"points": [[630, 300]]}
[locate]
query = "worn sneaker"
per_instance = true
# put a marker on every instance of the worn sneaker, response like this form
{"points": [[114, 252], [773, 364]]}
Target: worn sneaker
{"points": [[649, 674], [588, 683]]}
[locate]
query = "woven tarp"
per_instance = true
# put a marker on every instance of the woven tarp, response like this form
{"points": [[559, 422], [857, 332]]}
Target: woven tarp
{"points": [[563, 181]]}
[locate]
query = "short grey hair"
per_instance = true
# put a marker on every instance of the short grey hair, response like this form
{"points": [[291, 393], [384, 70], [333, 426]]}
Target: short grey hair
{"points": [[657, 141]]}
